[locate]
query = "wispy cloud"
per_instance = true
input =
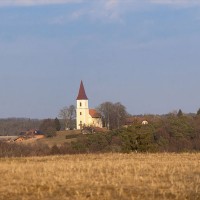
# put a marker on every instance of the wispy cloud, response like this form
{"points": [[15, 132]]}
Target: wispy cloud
{"points": [[108, 4], [114, 10], [177, 2], [35, 2], [104, 10]]}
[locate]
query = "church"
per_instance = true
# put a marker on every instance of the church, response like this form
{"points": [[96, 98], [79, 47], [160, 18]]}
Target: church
{"points": [[84, 115]]}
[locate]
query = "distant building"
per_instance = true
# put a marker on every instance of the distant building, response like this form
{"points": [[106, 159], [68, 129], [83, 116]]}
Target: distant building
{"points": [[84, 115], [30, 134], [145, 122]]}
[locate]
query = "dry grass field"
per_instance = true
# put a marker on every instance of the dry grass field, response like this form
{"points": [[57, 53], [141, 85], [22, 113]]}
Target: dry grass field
{"points": [[60, 138], [101, 176]]}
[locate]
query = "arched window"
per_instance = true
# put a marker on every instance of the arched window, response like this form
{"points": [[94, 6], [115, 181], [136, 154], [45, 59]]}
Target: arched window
{"points": [[80, 104]]}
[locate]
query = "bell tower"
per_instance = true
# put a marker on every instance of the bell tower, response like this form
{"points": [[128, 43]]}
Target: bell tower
{"points": [[82, 108]]}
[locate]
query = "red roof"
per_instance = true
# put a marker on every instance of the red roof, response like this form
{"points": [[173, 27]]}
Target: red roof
{"points": [[94, 114], [82, 95]]}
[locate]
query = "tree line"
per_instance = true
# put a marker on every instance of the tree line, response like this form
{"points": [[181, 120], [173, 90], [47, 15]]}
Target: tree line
{"points": [[167, 133], [13, 126], [114, 116]]}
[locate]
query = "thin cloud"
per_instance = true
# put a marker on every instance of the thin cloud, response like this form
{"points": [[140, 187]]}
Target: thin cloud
{"points": [[177, 2], [35, 2], [104, 10], [108, 4]]}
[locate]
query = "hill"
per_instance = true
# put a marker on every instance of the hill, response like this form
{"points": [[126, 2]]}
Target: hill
{"points": [[61, 137]]}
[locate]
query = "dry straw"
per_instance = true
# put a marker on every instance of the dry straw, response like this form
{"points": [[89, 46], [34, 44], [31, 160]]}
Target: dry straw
{"points": [[102, 176]]}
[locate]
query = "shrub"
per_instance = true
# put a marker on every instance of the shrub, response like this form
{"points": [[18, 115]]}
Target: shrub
{"points": [[21, 150]]}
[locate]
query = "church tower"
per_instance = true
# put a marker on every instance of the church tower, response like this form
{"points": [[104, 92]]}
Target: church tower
{"points": [[82, 108]]}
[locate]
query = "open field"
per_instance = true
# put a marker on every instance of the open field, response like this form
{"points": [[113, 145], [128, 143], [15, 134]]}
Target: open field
{"points": [[60, 138], [102, 176]]}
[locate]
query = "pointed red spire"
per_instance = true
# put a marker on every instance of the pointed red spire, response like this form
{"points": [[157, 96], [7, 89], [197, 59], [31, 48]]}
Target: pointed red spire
{"points": [[81, 94]]}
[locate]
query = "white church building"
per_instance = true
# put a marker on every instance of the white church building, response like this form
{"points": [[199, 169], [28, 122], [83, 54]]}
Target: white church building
{"points": [[84, 115]]}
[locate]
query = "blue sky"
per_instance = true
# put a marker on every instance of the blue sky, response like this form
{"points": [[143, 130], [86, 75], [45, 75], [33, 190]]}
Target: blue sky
{"points": [[142, 53]]}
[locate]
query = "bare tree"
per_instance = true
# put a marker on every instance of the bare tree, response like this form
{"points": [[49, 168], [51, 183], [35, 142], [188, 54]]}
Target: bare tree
{"points": [[68, 115], [113, 114], [105, 110], [120, 114]]}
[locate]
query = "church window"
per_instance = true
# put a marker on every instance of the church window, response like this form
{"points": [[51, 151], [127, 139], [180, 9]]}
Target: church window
{"points": [[80, 104], [80, 113]]}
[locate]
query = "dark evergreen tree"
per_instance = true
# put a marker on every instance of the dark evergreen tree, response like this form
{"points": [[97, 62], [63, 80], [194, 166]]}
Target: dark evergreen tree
{"points": [[198, 112], [180, 113], [57, 124]]}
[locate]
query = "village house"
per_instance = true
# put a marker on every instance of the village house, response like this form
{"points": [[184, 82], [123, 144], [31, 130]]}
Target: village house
{"points": [[30, 134]]}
